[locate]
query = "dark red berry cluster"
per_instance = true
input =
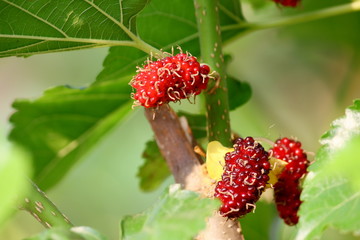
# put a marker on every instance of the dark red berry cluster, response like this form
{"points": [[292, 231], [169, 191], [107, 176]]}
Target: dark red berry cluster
{"points": [[169, 80], [244, 179], [287, 190], [288, 3]]}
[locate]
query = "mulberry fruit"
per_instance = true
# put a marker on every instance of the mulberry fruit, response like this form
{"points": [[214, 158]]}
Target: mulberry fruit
{"points": [[244, 179], [169, 79], [287, 190]]}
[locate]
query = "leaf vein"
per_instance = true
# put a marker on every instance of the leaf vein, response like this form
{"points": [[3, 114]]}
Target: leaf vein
{"points": [[120, 24], [50, 51], [121, 11], [336, 207], [23, 47], [69, 39]]}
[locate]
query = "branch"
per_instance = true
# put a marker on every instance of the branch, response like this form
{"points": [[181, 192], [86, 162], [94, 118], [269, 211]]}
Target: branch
{"points": [[184, 163], [175, 147]]}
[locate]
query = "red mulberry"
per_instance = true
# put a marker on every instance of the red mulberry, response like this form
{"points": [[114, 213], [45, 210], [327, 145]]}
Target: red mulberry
{"points": [[287, 189], [169, 79], [244, 179]]}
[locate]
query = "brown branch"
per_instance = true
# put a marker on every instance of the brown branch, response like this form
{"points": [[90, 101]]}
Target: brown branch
{"points": [[189, 135], [176, 145]]}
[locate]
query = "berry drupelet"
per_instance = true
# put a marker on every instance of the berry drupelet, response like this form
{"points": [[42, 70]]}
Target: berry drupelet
{"points": [[287, 190], [244, 179]]}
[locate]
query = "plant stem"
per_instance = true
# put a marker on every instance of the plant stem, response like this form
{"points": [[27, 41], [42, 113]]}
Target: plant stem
{"points": [[40, 207], [301, 18], [217, 105]]}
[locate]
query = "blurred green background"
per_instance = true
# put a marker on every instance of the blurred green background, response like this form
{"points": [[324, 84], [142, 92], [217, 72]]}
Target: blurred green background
{"points": [[302, 78]]}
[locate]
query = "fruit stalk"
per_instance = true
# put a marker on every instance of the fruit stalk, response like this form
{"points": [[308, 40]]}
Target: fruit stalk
{"points": [[43, 210], [217, 105]]}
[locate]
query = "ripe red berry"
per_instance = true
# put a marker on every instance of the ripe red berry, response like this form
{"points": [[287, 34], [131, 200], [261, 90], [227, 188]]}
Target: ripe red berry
{"points": [[169, 80], [244, 179], [288, 3], [287, 190]]}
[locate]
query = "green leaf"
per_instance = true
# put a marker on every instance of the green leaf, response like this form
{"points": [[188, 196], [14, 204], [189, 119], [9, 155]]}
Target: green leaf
{"points": [[154, 171], [14, 168], [75, 233], [119, 62], [31, 27], [170, 25], [132, 226], [177, 215], [346, 162], [197, 123], [258, 225], [239, 92], [330, 198], [62, 125]]}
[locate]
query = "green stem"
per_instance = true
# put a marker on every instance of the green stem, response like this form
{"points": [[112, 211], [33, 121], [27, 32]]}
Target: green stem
{"points": [[217, 106], [302, 18], [43, 210]]}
